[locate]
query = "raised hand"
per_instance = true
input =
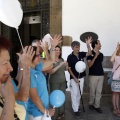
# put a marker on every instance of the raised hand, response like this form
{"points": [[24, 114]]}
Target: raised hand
{"points": [[88, 40], [44, 46], [26, 58], [56, 40], [117, 46]]}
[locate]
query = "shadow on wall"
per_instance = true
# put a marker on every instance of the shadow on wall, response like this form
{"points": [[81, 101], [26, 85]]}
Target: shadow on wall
{"points": [[106, 62], [67, 40]]}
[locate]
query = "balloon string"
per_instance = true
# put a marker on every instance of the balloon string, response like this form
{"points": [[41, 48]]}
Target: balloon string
{"points": [[78, 75], [20, 39]]}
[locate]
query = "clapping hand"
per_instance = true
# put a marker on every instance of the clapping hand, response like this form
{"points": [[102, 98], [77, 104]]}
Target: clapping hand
{"points": [[96, 54], [26, 58]]}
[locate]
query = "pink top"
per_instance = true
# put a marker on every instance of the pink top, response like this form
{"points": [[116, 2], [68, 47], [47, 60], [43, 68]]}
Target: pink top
{"points": [[116, 69]]}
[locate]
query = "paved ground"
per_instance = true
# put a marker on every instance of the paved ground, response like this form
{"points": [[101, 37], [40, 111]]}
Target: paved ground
{"points": [[106, 106]]}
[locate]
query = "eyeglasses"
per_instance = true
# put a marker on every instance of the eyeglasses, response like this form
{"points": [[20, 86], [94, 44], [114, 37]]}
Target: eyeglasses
{"points": [[38, 55]]}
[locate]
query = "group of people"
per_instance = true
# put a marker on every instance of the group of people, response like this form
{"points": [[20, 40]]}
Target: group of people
{"points": [[29, 100], [96, 76]]}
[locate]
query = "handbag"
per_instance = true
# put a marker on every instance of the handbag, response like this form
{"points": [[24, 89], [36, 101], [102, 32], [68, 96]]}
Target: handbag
{"points": [[110, 75], [116, 75], [46, 117]]}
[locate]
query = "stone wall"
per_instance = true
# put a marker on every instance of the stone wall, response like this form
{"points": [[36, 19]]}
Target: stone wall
{"points": [[55, 17]]}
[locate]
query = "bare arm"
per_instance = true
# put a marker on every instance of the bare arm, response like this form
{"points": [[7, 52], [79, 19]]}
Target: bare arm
{"points": [[71, 73], [88, 42], [49, 63], [57, 67], [90, 63], [7, 93], [24, 75], [37, 101], [114, 54], [44, 46]]}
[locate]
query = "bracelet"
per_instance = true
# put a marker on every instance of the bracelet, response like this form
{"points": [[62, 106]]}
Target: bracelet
{"points": [[88, 46], [52, 49], [20, 68]]}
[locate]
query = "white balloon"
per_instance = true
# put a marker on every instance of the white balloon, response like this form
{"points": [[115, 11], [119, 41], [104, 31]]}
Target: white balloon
{"points": [[11, 13], [47, 38], [80, 66]]}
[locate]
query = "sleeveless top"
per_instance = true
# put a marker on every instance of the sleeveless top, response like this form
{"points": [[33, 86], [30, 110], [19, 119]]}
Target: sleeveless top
{"points": [[116, 68]]}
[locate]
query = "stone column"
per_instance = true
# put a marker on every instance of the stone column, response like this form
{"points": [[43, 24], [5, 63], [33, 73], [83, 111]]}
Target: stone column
{"points": [[55, 17]]}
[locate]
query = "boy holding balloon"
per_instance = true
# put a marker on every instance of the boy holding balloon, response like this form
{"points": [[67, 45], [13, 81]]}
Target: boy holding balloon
{"points": [[77, 79]]}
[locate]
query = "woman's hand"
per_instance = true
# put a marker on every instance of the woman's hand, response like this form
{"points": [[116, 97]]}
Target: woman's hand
{"points": [[62, 63], [25, 59], [56, 40], [44, 46], [51, 111]]}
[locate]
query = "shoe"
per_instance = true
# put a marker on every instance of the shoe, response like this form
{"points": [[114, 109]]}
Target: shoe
{"points": [[79, 110], [77, 114], [58, 118], [61, 115], [98, 110], [91, 107]]}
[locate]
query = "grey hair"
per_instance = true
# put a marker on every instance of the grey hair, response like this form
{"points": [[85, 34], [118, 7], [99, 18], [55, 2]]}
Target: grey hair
{"points": [[34, 42], [75, 43]]}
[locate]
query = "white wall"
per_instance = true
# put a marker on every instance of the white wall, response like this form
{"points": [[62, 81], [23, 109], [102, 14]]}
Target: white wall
{"points": [[99, 16]]}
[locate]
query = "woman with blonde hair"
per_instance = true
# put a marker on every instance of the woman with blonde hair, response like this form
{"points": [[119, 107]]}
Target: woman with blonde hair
{"points": [[115, 86]]}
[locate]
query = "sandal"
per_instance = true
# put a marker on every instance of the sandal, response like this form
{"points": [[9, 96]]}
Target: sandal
{"points": [[115, 111], [61, 114], [58, 118]]}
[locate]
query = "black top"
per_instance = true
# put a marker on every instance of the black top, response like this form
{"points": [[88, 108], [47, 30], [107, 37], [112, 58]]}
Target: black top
{"points": [[96, 69], [72, 60]]}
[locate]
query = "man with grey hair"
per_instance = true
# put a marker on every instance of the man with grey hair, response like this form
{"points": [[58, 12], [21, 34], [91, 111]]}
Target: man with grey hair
{"points": [[36, 42], [76, 79]]}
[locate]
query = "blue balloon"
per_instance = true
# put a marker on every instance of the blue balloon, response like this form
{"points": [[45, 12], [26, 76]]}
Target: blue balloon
{"points": [[57, 98]]}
